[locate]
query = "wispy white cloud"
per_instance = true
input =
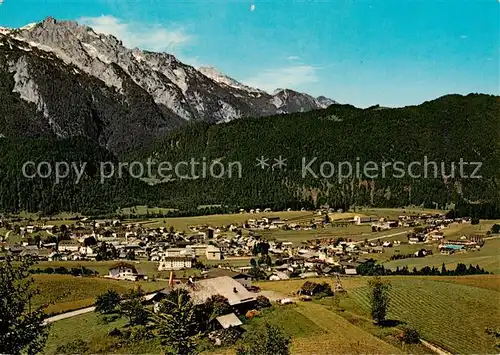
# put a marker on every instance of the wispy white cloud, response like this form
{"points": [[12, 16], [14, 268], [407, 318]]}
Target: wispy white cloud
{"points": [[292, 57], [1, 2], [291, 77], [151, 37]]}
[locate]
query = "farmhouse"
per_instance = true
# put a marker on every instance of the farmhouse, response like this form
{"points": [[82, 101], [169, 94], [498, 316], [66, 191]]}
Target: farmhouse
{"points": [[279, 275], [124, 271], [271, 220], [451, 248], [244, 279], [237, 295]]}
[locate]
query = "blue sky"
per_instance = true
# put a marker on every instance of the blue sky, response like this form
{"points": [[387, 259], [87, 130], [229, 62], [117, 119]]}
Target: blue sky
{"points": [[387, 52]]}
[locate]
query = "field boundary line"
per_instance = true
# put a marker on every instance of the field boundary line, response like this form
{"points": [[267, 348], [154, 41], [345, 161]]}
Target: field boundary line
{"points": [[435, 348]]}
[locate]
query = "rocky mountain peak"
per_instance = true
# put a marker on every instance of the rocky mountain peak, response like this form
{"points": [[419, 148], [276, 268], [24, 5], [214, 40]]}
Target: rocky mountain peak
{"points": [[177, 92]]}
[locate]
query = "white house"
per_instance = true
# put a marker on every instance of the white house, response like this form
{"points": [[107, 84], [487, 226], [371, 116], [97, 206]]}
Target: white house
{"points": [[213, 253], [124, 271], [278, 275]]}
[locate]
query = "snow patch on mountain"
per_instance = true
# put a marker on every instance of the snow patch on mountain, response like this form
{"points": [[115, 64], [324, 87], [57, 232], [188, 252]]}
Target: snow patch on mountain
{"points": [[221, 78], [190, 94]]}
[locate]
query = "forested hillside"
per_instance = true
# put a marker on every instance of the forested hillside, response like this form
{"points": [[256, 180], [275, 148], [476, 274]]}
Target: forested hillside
{"points": [[445, 130], [87, 195]]}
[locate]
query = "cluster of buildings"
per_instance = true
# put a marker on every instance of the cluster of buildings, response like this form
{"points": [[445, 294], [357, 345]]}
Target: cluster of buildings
{"points": [[173, 250]]}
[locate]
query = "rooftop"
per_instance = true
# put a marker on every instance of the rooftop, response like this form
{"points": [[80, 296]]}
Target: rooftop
{"points": [[224, 286]]}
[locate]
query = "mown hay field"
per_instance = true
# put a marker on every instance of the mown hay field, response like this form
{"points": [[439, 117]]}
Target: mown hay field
{"points": [[449, 314]]}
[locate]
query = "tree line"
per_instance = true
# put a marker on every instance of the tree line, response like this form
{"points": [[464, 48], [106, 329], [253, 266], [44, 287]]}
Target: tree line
{"points": [[372, 268]]}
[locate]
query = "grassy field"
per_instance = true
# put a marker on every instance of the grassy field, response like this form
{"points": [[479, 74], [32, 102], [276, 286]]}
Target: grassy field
{"points": [[183, 223], [340, 336], [149, 268], [487, 282], [450, 315], [487, 257], [288, 287], [314, 330], [449, 311], [90, 328], [142, 210], [457, 230], [394, 213], [354, 232], [62, 293], [233, 261]]}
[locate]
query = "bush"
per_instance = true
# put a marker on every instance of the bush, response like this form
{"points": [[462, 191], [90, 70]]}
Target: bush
{"points": [[140, 333], [107, 302], [265, 340], [409, 336], [115, 332], [263, 302], [225, 337]]}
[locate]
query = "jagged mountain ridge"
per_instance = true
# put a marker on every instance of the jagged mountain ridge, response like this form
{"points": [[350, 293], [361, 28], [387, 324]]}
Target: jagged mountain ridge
{"points": [[174, 91]]}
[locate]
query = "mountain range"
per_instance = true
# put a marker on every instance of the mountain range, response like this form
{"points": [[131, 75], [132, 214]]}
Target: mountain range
{"points": [[69, 94], [76, 82]]}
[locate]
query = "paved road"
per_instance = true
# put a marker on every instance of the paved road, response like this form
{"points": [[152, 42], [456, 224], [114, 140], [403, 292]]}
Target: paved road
{"points": [[75, 313], [69, 314], [385, 236]]}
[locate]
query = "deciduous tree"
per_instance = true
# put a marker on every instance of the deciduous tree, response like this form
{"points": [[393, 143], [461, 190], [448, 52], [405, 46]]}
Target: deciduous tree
{"points": [[379, 298], [21, 327]]}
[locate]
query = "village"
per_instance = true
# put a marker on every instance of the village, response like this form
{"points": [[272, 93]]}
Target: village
{"points": [[247, 249], [258, 266]]}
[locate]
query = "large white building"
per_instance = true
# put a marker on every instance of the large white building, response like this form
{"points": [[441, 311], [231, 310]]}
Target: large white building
{"points": [[178, 252], [174, 263]]}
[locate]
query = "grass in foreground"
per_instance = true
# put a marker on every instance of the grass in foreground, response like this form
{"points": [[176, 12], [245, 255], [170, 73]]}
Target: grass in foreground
{"points": [[449, 311], [314, 330], [90, 328], [339, 337], [448, 314]]}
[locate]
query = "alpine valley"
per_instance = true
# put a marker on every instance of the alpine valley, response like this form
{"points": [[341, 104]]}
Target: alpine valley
{"points": [[70, 94]]}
